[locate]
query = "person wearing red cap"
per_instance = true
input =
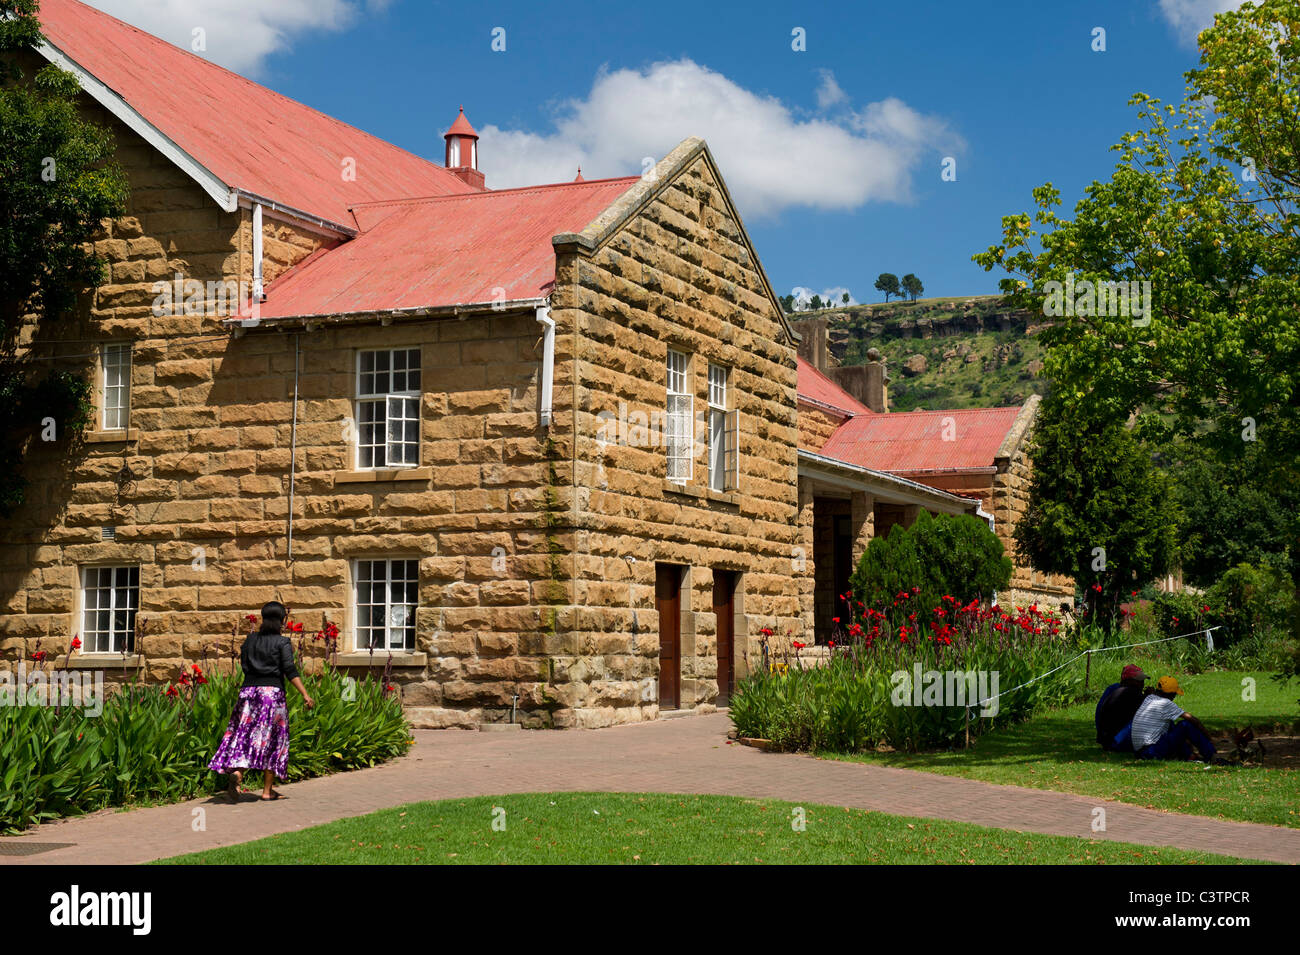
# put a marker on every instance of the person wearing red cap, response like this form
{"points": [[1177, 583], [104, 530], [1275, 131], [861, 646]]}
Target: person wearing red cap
{"points": [[1117, 707]]}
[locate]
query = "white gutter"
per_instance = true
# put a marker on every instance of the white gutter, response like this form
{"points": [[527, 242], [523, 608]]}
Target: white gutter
{"points": [[548, 360], [257, 253], [980, 512]]}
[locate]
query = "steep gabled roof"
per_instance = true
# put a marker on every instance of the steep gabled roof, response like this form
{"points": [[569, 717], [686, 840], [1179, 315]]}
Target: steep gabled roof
{"points": [[444, 251], [814, 386], [923, 442], [228, 132]]}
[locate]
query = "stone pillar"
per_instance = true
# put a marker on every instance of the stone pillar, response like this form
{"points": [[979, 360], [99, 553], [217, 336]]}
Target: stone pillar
{"points": [[864, 523]]}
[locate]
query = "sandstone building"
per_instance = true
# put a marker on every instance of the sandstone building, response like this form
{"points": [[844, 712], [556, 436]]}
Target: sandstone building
{"points": [[548, 451]]}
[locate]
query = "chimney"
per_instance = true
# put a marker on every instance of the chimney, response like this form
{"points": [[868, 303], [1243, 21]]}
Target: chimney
{"points": [[868, 383], [462, 151], [813, 342]]}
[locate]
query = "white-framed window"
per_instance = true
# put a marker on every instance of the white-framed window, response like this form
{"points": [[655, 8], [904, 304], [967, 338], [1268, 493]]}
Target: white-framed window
{"points": [[387, 593], [115, 386], [110, 597], [679, 420], [454, 159], [388, 408], [724, 437]]}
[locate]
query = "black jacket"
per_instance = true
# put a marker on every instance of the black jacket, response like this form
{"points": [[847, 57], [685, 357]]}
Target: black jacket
{"points": [[267, 660], [1116, 710]]}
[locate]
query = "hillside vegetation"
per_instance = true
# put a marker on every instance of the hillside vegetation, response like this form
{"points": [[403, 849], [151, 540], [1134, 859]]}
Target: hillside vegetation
{"points": [[944, 352]]}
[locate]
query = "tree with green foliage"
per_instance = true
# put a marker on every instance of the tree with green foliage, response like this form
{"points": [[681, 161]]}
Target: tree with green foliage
{"points": [[844, 299], [787, 304], [887, 282], [912, 286], [948, 554], [1099, 509], [816, 303], [57, 182], [1231, 516], [1202, 205]]}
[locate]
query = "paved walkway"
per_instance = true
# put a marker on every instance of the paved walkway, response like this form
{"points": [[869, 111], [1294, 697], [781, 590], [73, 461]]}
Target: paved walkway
{"points": [[689, 755]]}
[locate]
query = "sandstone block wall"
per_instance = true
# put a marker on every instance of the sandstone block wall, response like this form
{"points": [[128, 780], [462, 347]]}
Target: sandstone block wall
{"points": [[678, 274]]}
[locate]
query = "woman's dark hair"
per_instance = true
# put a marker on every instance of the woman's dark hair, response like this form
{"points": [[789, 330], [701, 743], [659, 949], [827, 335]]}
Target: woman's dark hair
{"points": [[273, 616]]}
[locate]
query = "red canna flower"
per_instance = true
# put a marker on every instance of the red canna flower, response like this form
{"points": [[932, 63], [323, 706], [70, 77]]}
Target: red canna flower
{"points": [[76, 643]]}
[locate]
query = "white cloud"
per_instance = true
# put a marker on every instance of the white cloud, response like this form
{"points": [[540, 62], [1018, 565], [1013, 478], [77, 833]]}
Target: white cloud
{"points": [[829, 93], [1190, 17], [239, 34], [803, 296], [771, 157]]}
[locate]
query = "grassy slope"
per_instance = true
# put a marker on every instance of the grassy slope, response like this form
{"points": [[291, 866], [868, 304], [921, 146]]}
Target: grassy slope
{"points": [[1058, 751], [543, 828], [999, 376]]}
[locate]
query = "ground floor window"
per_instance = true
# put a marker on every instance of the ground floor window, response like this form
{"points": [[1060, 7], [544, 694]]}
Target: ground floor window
{"points": [[110, 597], [387, 593]]}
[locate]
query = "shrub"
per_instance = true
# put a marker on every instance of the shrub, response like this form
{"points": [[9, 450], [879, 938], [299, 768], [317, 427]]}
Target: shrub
{"points": [[951, 554], [848, 704], [1251, 600]]}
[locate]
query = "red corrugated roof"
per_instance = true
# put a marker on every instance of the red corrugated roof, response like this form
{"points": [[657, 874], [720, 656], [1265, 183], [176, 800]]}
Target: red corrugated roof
{"points": [[912, 442], [250, 137], [817, 387], [451, 250]]}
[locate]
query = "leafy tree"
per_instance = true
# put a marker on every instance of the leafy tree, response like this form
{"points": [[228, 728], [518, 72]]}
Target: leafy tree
{"points": [[952, 554], [887, 282], [57, 183], [912, 286], [1231, 517], [1202, 204], [816, 303], [1099, 509], [845, 298], [787, 304]]}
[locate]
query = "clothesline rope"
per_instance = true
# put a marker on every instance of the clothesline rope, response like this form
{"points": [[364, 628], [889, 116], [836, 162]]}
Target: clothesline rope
{"points": [[1122, 646]]}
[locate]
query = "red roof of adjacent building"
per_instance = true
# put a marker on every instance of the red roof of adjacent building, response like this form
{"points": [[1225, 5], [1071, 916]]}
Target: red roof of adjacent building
{"points": [[251, 138], [443, 251], [917, 442], [815, 386]]}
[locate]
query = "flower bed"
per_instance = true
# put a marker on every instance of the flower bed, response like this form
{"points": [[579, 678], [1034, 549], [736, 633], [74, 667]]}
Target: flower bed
{"points": [[910, 678], [153, 743]]}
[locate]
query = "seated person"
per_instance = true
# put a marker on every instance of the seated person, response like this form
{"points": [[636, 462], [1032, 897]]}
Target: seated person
{"points": [[1162, 730], [1116, 708]]}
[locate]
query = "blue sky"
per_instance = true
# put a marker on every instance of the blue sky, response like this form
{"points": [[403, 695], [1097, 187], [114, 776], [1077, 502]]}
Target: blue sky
{"points": [[833, 153]]}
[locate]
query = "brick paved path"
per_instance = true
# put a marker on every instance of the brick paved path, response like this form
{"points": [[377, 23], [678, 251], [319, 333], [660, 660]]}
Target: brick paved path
{"points": [[689, 755]]}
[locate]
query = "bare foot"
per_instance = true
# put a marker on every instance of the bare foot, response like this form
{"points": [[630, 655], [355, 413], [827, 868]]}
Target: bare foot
{"points": [[232, 785], [272, 796]]}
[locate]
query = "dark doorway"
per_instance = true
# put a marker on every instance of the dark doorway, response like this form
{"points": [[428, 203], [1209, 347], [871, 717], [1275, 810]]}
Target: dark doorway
{"points": [[841, 572], [668, 601], [724, 606]]}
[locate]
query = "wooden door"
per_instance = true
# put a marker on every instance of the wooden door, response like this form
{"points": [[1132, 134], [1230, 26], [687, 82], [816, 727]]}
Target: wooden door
{"points": [[724, 606], [668, 601]]}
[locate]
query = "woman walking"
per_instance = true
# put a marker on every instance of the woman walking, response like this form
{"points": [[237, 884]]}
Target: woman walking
{"points": [[258, 734]]}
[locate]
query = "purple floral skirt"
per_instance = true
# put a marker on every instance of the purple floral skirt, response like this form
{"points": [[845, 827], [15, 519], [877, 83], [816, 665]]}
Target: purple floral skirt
{"points": [[258, 734]]}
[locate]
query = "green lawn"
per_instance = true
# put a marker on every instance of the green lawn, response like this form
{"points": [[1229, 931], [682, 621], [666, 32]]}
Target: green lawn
{"points": [[1058, 751], [654, 828]]}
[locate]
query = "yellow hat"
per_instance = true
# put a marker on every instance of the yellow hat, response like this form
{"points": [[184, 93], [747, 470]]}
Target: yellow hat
{"points": [[1167, 684]]}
